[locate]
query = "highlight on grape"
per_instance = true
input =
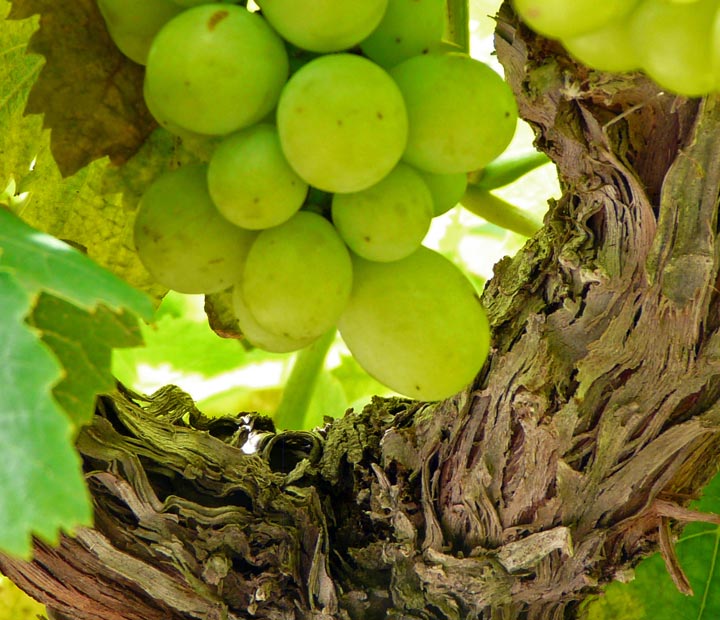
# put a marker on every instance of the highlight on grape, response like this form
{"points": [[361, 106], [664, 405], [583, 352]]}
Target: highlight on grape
{"points": [[341, 128]]}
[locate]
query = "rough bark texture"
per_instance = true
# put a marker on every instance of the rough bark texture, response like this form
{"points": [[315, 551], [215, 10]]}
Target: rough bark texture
{"points": [[592, 425]]}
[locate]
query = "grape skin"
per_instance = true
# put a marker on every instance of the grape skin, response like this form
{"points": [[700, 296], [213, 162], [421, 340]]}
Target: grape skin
{"points": [[251, 182], [416, 325], [446, 189], [298, 277], [461, 114], [132, 24], [342, 123], [257, 335], [408, 28], [570, 18], [673, 44], [216, 68], [388, 220], [323, 25], [181, 238]]}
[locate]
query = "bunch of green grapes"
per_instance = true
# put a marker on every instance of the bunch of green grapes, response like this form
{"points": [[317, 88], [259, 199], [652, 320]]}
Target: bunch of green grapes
{"points": [[342, 128], [675, 42]]}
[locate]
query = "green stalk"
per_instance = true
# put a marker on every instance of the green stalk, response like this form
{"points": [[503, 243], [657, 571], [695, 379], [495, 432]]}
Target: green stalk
{"points": [[498, 211], [299, 387], [506, 170], [457, 26]]}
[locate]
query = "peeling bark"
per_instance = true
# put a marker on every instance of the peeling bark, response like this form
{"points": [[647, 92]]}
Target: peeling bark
{"points": [[572, 457]]}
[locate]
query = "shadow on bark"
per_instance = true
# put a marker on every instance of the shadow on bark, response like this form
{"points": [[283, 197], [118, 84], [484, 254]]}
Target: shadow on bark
{"points": [[591, 427]]}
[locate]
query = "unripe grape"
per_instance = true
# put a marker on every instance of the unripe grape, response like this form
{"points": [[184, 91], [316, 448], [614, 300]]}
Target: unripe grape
{"points": [[133, 24], [461, 114], [673, 43], [257, 335], [446, 189], [181, 238], [388, 220], [216, 68], [323, 25], [297, 277], [342, 123], [609, 48], [408, 28], [570, 18], [416, 325], [251, 182]]}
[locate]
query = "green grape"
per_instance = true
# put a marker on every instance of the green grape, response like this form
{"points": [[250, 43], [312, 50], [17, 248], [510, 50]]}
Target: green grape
{"points": [[216, 68], [189, 3], [173, 128], [569, 18], [416, 325], [673, 43], [323, 25], [297, 277], [257, 335], [408, 28], [342, 123], [609, 48], [446, 189], [461, 114], [386, 221], [133, 24], [251, 182], [181, 238]]}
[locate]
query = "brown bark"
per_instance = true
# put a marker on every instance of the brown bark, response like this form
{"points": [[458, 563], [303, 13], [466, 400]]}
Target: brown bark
{"points": [[574, 455]]}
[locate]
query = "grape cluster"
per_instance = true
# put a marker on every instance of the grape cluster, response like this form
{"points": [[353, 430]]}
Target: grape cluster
{"points": [[675, 42], [343, 128]]}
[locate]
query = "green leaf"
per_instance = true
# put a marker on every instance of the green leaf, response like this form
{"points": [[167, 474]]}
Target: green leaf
{"points": [[41, 262], [41, 483], [185, 342], [21, 137], [653, 595], [83, 342], [53, 299]]}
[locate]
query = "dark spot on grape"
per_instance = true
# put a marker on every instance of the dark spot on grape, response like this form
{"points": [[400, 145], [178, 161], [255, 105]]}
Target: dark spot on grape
{"points": [[398, 39], [216, 18], [507, 114], [425, 50], [366, 238], [380, 115], [256, 200], [339, 123], [417, 387]]}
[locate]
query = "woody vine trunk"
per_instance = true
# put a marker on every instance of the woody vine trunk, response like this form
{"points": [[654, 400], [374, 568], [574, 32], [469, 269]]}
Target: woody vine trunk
{"points": [[574, 454]]}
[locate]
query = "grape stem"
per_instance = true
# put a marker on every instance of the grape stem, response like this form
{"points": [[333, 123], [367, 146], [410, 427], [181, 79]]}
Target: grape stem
{"points": [[498, 211], [506, 170], [299, 387], [458, 23]]}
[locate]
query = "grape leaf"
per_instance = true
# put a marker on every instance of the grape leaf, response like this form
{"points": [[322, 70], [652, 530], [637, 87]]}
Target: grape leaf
{"points": [[652, 594], [18, 72], [41, 484], [89, 93], [82, 342], [51, 298], [44, 263]]}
